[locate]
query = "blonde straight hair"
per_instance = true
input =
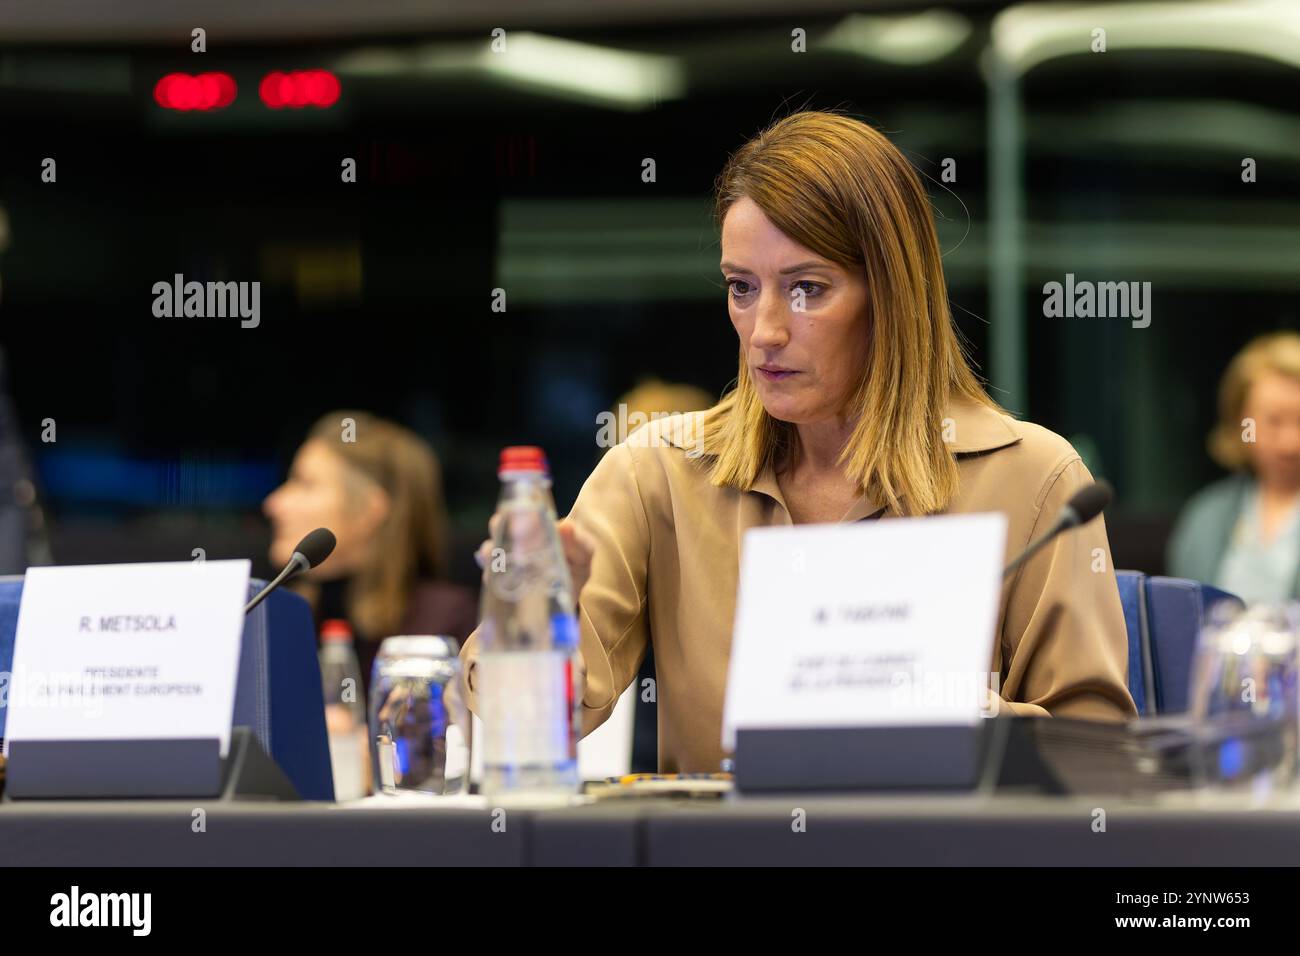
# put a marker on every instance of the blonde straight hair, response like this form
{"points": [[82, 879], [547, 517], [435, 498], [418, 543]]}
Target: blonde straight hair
{"points": [[838, 187], [410, 545]]}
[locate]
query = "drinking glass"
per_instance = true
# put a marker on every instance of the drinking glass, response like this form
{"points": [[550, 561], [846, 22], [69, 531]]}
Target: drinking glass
{"points": [[1243, 699], [418, 722]]}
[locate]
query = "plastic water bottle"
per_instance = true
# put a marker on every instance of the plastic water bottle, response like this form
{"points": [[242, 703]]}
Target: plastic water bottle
{"points": [[525, 677], [345, 710]]}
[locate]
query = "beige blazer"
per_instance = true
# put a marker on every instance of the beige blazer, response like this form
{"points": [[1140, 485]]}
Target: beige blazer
{"points": [[667, 545]]}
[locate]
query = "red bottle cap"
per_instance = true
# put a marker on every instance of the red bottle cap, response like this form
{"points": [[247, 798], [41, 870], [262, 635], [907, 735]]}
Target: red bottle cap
{"points": [[523, 458], [335, 631]]}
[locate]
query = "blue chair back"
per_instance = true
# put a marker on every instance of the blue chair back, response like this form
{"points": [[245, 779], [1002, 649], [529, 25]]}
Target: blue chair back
{"points": [[1176, 611], [11, 593], [1132, 597], [278, 694]]}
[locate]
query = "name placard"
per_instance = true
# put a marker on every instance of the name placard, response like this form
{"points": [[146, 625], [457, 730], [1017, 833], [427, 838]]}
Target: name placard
{"points": [[128, 651], [862, 624]]}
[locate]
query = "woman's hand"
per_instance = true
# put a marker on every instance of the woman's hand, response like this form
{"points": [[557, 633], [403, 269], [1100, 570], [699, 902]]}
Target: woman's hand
{"points": [[577, 548], [578, 552]]}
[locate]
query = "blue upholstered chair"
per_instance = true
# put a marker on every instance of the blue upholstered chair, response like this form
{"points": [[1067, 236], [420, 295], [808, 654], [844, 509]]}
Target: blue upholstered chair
{"points": [[278, 694], [1176, 610], [1163, 617], [1133, 598]]}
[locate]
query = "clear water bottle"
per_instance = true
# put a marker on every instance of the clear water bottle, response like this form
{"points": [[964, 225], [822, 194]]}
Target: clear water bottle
{"points": [[525, 677], [345, 710]]}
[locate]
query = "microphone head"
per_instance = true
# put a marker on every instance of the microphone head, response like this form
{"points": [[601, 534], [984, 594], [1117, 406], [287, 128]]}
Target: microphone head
{"points": [[1088, 502], [316, 547]]}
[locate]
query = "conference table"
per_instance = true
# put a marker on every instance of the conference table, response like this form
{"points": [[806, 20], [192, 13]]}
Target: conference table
{"points": [[886, 829]]}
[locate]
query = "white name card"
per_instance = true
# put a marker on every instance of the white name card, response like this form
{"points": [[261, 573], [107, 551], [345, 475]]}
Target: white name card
{"points": [[861, 624], [128, 651]]}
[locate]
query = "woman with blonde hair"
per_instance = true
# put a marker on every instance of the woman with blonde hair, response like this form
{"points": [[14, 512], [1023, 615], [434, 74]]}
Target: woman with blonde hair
{"points": [[378, 487], [1242, 533], [853, 401]]}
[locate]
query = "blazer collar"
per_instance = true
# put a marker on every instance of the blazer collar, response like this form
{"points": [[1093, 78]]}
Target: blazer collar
{"points": [[971, 429], [974, 428], [977, 428]]}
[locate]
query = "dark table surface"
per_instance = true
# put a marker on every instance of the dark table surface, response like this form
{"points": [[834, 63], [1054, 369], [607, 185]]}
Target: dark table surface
{"points": [[902, 830]]}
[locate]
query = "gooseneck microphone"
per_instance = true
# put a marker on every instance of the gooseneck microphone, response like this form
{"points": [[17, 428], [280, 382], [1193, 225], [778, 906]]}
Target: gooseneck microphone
{"points": [[1084, 505], [311, 551]]}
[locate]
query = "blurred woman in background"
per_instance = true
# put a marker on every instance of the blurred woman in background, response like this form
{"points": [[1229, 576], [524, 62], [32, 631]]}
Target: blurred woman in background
{"points": [[1242, 533], [378, 487], [654, 398]]}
